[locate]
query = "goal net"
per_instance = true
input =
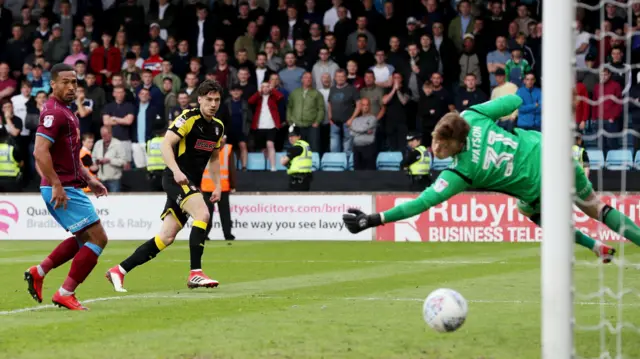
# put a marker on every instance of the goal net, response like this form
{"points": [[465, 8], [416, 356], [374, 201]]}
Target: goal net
{"points": [[589, 309]]}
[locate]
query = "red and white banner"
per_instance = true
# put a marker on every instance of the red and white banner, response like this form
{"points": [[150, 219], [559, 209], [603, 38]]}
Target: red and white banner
{"points": [[487, 218]]}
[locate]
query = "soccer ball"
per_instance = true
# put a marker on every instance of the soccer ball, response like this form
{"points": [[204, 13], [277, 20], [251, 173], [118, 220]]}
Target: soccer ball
{"points": [[444, 310]]}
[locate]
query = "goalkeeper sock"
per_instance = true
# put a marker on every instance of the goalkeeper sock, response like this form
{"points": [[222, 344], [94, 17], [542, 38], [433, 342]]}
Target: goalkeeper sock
{"points": [[146, 252], [579, 237], [196, 243], [617, 221]]}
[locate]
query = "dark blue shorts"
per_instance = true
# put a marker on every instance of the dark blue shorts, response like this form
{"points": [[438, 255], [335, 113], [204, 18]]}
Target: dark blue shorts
{"points": [[79, 214]]}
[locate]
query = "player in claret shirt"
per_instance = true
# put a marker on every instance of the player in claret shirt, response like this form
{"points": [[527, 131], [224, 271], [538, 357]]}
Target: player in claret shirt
{"points": [[485, 156], [57, 154]]}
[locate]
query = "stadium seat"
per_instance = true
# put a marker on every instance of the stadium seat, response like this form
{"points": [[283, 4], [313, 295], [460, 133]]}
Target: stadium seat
{"points": [[256, 162], [439, 165], [279, 166], [315, 159], [350, 162], [619, 160], [636, 162], [596, 158], [389, 161], [334, 161]]}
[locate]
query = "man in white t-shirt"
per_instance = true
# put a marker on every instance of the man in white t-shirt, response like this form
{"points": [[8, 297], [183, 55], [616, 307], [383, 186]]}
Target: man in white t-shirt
{"points": [[382, 70], [331, 16], [582, 45]]}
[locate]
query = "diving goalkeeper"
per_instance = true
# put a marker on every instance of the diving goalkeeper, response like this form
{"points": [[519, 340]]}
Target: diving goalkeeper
{"points": [[487, 157]]}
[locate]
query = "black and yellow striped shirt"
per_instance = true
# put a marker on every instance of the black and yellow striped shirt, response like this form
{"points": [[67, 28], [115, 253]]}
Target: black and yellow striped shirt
{"points": [[198, 138]]}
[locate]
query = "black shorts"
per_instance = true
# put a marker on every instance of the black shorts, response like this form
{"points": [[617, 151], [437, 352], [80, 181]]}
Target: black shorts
{"points": [[262, 136], [177, 195]]}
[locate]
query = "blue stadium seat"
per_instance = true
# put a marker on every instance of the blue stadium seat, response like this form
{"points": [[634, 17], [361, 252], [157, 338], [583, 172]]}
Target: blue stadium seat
{"points": [[636, 162], [439, 165], [596, 158], [279, 166], [389, 161], [350, 162], [256, 162], [334, 161], [315, 159], [619, 160]]}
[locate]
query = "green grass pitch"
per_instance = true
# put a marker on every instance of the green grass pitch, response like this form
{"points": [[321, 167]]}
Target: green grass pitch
{"points": [[309, 300]]}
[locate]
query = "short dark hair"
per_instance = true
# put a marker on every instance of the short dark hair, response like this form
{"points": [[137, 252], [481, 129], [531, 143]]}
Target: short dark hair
{"points": [[208, 86], [261, 53], [471, 74], [167, 79], [363, 36], [80, 62], [58, 68], [370, 72]]}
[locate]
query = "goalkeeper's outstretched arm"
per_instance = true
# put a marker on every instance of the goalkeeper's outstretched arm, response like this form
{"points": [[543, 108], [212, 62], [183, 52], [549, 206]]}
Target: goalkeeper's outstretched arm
{"points": [[448, 184]]}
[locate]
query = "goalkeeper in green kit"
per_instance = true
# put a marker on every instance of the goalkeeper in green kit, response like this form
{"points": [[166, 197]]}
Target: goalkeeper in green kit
{"points": [[487, 157]]}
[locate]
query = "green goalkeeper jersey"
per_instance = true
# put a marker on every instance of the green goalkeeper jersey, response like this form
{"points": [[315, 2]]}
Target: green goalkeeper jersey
{"points": [[493, 159]]}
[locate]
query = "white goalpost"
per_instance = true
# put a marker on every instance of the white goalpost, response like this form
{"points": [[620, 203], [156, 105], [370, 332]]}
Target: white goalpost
{"points": [[557, 179]]}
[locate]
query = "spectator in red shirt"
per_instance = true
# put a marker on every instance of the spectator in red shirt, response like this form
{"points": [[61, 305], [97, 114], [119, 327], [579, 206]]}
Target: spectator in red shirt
{"points": [[266, 120], [606, 113], [7, 84], [352, 75], [582, 107], [105, 60], [153, 63]]}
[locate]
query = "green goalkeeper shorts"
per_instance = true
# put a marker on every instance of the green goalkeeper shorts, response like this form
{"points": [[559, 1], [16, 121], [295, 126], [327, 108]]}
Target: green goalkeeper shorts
{"points": [[583, 186]]}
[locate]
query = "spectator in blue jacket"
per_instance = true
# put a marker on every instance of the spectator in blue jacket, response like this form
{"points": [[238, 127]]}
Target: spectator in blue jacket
{"points": [[530, 112]]}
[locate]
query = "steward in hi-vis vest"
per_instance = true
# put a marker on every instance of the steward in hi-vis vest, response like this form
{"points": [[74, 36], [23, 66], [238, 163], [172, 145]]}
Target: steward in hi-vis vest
{"points": [[417, 162], [228, 184], [298, 162], [580, 154], [10, 163], [155, 163]]}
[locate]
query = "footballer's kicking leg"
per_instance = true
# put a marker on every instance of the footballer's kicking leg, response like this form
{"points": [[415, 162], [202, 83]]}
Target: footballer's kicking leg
{"points": [[195, 206], [171, 225]]}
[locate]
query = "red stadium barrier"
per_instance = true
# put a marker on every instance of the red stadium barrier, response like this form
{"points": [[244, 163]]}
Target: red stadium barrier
{"points": [[487, 218]]}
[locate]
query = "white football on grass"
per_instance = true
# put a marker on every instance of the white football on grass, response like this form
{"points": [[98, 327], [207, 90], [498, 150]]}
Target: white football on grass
{"points": [[445, 310]]}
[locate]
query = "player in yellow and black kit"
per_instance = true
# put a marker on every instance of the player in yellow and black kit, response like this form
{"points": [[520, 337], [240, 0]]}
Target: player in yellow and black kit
{"points": [[189, 146]]}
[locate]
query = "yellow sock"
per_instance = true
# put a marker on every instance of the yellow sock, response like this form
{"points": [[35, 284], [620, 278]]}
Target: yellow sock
{"points": [[159, 242], [200, 224]]}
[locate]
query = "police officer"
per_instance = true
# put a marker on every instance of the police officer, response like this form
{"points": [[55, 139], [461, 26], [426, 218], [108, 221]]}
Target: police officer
{"points": [[155, 163], [228, 184], [417, 163], [10, 163], [298, 161], [580, 154]]}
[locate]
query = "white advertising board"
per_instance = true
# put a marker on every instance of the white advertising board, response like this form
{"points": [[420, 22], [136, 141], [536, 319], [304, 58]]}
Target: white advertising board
{"points": [[137, 217]]}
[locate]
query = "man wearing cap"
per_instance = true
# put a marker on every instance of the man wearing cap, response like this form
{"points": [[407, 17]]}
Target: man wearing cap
{"points": [[227, 184], [504, 88], [580, 154], [417, 163], [298, 161], [413, 31], [154, 35]]}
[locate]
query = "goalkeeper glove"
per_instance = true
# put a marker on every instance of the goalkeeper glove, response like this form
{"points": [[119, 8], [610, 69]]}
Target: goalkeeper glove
{"points": [[357, 221]]}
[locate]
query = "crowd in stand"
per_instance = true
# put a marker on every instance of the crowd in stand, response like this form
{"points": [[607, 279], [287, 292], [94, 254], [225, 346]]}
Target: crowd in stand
{"points": [[355, 75]]}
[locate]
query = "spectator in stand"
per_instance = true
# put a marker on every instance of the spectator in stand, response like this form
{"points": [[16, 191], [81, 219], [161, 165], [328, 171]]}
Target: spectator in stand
{"points": [[238, 120], [165, 16], [82, 107], [44, 30], [396, 100], [381, 70], [304, 60], [170, 97], [331, 16], [210, 61], [196, 68], [430, 110], [449, 65], [429, 56], [38, 82], [118, 80], [183, 104], [393, 23], [16, 50], [620, 70], [363, 58], [80, 34], [10, 124], [606, 114], [38, 51], [81, 72], [154, 36], [334, 54], [305, 109], [325, 128], [315, 41], [138, 60], [246, 83], [503, 88], [496, 23], [281, 44], [588, 76], [353, 78], [261, 73], [523, 19], [461, 24], [294, 28], [291, 75], [97, 95], [323, 66], [446, 99], [497, 59], [470, 95], [266, 120], [120, 115], [157, 97], [352, 40], [469, 61], [153, 63], [527, 54], [226, 74], [248, 41], [28, 24], [415, 76], [342, 108], [7, 84], [530, 112], [158, 80], [191, 85], [110, 157], [363, 131], [310, 15], [274, 62], [581, 106], [56, 49], [180, 61], [283, 133], [146, 119], [511, 36], [76, 55], [516, 68], [374, 94], [105, 61]]}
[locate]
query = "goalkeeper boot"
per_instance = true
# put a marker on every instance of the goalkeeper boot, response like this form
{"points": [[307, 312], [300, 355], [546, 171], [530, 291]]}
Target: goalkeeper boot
{"points": [[604, 252], [67, 301], [116, 278], [34, 282], [197, 279]]}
